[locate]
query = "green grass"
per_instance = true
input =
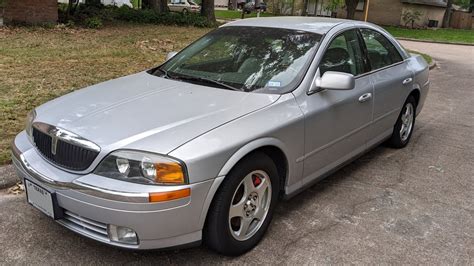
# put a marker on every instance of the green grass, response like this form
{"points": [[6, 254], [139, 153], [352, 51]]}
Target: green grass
{"points": [[441, 35], [39, 64], [425, 56], [233, 14]]}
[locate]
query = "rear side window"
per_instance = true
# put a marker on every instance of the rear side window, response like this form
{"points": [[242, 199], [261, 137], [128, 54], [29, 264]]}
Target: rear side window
{"points": [[381, 51]]}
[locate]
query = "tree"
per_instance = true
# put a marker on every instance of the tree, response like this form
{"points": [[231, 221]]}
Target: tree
{"points": [[351, 6], [158, 5], [410, 17], [207, 10], [447, 14], [305, 7], [466, 4]]}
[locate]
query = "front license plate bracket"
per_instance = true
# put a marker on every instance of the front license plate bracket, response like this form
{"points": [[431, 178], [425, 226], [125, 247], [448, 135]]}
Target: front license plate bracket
{"points": [[43, 200]]}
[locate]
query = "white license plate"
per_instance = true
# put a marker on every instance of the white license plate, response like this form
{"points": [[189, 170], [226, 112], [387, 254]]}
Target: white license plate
{"points": [[39, 198]]}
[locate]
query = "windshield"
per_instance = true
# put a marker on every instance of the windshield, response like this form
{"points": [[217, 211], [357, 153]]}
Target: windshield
{"points": [[266, 60]]}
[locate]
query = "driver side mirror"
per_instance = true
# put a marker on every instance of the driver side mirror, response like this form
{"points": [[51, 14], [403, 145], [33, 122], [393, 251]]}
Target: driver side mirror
{"points": [[170, 55], [332, 80]]}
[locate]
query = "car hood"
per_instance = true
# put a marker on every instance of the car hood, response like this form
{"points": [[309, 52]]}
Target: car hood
{"points": [[142, 111]]}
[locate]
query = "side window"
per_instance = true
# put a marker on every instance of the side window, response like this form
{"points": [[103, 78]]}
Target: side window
{"points": [[343, 55], [381, 51]]}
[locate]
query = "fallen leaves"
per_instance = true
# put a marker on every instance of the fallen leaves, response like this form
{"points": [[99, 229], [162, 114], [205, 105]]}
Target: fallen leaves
{"points": [[163, 45], [18, 188]]}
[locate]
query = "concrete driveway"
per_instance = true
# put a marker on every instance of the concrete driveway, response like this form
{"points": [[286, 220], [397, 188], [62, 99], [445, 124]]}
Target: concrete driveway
{"points": [[408, 206]]}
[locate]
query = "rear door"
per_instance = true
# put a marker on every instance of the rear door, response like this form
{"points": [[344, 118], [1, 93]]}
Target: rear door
{"points": [[391, 78]]}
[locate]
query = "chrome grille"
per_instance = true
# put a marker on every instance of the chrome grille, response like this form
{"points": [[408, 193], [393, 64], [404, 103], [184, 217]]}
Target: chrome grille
{"points": [[66, 155], [85, 225]]}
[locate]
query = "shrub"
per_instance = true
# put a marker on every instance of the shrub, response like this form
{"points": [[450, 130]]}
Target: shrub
{"points": [[410, 16], [93, 23], [93, 16]]}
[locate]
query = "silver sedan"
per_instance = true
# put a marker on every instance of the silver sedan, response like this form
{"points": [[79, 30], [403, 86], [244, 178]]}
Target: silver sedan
{"points": [[202, 147]]}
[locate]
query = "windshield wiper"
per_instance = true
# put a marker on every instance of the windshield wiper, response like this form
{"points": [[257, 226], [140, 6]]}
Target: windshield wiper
{"points": [[165, 73], [205, 80]]}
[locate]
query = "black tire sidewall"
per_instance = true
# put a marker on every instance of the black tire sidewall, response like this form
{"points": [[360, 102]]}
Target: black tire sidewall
{"points": [[217, 233], [396, 139]]}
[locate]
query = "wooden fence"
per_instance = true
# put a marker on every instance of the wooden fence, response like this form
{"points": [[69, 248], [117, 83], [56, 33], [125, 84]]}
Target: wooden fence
{"points": [[461, 20]]}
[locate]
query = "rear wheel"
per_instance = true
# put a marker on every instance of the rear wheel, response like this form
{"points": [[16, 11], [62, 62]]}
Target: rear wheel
{"points": [[403, 129], [243, 206], [185, 11]]}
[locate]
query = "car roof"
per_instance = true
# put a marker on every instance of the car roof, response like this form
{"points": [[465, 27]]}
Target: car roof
{"points": [[318, 25]]}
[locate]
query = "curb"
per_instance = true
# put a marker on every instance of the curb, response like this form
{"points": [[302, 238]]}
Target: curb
{"points": [[433, 64], [429, 41], [8, 176]]}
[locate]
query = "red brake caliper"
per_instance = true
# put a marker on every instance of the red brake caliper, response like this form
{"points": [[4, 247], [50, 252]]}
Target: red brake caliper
{"points": [[256, 180]]}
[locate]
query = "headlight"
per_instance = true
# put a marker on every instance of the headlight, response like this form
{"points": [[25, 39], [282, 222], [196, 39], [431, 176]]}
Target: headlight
{"points": [[142, 167], [30, 117]]}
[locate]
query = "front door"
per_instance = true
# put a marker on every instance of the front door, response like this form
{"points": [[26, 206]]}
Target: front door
{"points": [[337, 122]]}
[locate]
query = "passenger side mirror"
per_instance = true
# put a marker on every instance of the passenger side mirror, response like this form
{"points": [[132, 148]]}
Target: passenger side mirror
{"points": [[336, 81], [170, 55]]}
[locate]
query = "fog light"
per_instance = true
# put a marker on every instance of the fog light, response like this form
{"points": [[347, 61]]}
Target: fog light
{"points": [[122, 234]]}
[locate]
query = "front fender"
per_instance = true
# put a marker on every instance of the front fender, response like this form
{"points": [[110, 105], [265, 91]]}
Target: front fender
{"points": [[231, 162], [248, 148]]}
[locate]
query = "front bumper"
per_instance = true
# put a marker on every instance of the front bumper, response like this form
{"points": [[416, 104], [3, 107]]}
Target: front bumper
{"points": [[91, 202]]}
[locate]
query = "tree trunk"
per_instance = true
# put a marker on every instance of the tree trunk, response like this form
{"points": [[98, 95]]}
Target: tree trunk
{"points": [[447, 14], [207, 10], [69, 9], [232, 5], [159, 5], [305, 7], [351, 6]]}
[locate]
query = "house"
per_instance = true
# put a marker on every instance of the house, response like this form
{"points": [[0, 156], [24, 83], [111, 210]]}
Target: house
{"points": [[389, 12], [29, 11], [383, 12]]}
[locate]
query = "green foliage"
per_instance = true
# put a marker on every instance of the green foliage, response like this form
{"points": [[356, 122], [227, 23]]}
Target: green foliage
{"points": [[440, 35], [333, 5], [466, 4], [410, 16], [93, 16], [93, 23], [234, 14], [125, 13]]}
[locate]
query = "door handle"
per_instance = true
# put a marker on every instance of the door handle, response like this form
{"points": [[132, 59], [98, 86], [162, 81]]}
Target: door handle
{"points": [[364, 97], [407, 81]]}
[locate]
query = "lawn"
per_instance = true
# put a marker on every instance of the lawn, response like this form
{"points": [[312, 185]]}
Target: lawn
{"points": [[425, 56], [233, 14], [441, 35], [38, 64]]}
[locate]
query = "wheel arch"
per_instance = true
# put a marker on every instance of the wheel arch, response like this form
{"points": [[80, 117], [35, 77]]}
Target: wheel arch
{"points": [[416, 93], [272, 147]]}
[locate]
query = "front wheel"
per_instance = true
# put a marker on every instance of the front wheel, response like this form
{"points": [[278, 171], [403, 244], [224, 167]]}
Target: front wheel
{"points": [[243, 206], [403, 129]]}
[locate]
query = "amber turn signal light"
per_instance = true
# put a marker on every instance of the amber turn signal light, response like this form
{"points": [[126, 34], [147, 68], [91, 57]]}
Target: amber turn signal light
{"points": [[169, 195], [169, 173]]}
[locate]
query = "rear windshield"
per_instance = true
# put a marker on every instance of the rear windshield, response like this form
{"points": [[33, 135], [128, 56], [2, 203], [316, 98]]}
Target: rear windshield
{"points": [[252, 59]]}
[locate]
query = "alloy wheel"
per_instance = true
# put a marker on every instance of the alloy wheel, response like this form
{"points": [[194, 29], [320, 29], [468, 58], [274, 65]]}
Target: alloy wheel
{"points": [[250, 205], [407, 122]]}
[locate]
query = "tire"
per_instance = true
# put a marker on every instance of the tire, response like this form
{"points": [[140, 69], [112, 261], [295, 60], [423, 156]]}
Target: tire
{"points": [[403, 129], [224, 232], [185, 11]]}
